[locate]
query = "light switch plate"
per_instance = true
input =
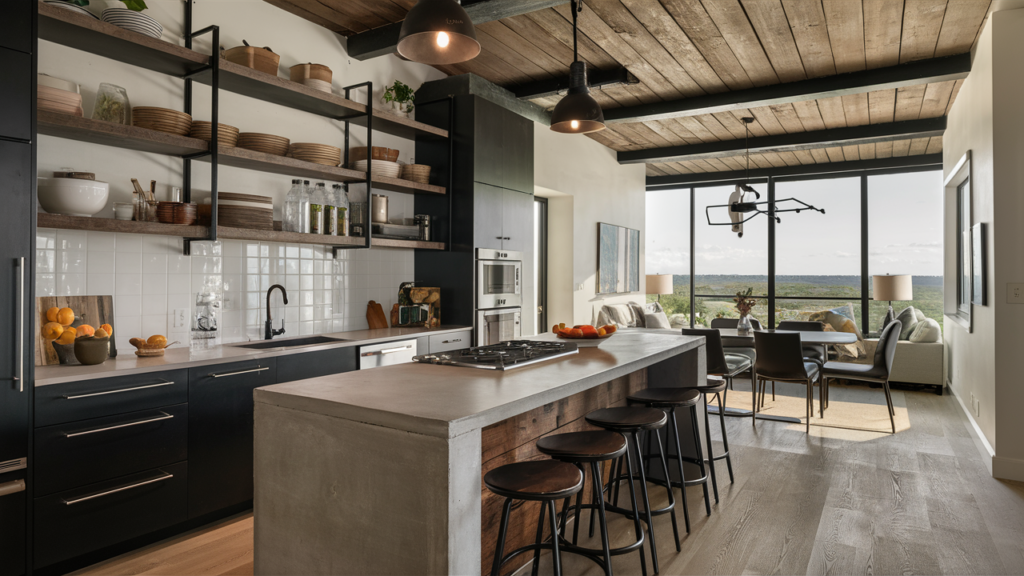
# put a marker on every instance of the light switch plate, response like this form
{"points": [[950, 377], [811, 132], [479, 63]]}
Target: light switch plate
{"points": [[180, 317], [1015, 293]]}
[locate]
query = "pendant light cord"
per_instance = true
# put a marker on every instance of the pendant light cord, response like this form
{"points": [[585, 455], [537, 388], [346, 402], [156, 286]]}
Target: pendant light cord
{"points": [[576, 8]]}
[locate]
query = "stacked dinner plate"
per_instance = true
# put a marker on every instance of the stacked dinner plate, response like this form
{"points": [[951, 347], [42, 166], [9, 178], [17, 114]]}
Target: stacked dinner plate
{"points": [[317, 153], [134, 21], [226, 135], [162, 119], [266, 143], [380, 168], [56, 95], [69, 6]]}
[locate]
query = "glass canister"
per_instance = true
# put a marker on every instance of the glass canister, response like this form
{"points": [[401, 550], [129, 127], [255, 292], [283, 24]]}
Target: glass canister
{"points": [[112, 105]]}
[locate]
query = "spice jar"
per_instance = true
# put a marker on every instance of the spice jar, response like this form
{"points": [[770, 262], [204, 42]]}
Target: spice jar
{"points": [[112, 105]]}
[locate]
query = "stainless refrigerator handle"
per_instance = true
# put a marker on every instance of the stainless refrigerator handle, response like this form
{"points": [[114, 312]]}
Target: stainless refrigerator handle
{"points": [[166, 476], [163, 416], [20, 378], [12, 487], [226, 374], [162, 383]]}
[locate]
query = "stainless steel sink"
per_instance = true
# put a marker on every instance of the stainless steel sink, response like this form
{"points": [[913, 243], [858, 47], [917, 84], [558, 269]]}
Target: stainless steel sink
{"points": [[291, 343]]}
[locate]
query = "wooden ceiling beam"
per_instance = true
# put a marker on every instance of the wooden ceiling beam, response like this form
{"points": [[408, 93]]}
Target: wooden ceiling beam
{"points": [[828, 138], [595, 78], [878, 165], [853, 83], [383, 40]]}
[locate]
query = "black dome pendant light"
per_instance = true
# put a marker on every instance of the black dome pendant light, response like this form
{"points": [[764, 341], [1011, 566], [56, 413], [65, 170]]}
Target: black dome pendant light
{"points": [[438, 32], [578, 112]]}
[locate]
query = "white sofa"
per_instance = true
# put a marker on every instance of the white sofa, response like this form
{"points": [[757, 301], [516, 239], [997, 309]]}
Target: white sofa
{"points": [[915, 362]]}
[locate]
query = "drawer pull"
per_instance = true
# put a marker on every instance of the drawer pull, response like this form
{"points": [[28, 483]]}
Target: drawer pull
{"points": [[166, 476], [12, 487], [452, 341], [226, 374], [163, 416], [162, 383]]}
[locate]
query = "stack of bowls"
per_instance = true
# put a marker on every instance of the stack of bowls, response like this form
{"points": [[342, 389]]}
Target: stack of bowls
{"points": [[226, 135], [56, 95], [380, 168], [266, 143], [134, 21], [316, 153], [162, 119]]}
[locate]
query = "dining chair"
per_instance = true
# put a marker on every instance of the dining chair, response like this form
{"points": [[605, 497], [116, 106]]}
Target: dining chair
{"points": [[877, 372], [806, 326], [780, 358], [748, 351]]}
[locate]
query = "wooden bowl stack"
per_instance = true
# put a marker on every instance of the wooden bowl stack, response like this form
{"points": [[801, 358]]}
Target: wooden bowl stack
{"points": [[260, 59], [315, 76], [380, 168], [240, 211], [416, 173], [379, 153], [162, 120], [316, 153], [267, 143], [177, 213], [203, 130], [60, 101]]}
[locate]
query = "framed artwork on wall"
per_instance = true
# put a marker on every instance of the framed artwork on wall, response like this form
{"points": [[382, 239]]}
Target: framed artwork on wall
{"points": [[979, 266], [618, 259]]}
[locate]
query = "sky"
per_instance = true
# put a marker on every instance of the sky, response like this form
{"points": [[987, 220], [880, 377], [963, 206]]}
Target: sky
{"points": [[904, 235]]}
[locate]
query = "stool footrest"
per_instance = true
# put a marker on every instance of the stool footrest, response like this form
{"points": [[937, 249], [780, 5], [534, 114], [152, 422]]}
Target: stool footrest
{"points": [[551, 546]]}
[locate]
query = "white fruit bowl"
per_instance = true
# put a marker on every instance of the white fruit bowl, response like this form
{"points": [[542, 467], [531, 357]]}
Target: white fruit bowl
{"points": [[72, 196]]}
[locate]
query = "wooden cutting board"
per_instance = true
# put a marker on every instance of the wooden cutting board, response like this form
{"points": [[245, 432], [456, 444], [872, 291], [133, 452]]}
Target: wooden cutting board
{"points": [[375, 316], [91, 310]]}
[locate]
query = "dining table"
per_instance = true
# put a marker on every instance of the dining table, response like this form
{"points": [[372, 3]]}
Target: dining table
{"points": [[731, 338]]}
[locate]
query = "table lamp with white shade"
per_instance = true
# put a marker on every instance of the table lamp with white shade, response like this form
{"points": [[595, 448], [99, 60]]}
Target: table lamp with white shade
{"points": [[659, 284], [898, 287]]}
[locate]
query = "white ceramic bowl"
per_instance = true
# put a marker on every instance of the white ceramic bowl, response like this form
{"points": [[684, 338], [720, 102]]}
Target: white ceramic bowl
{"points": [[72, 196]]}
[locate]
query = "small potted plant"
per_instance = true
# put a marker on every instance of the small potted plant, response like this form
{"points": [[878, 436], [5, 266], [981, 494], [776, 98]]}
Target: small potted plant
{"points": [[744, 303], [130, 17], [401, 97]]}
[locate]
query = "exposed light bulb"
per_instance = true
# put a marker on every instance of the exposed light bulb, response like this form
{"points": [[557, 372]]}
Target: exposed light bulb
{"points": [[575, 124], [442, 39]]}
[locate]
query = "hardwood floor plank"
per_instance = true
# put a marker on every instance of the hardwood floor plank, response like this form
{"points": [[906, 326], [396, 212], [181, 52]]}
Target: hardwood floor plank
{"points": [[883, 22], [845, 19]]}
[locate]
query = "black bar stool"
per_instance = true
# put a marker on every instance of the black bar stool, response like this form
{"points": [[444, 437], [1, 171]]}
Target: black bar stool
{"points": [[544, 481], [593, 448], [631, 421], [716, 387], [668, 399]]}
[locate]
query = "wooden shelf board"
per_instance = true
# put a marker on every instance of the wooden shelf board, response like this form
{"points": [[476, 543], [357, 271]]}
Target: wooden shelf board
{"points": [[228, 233], [400, 185], [119, 135], [91, 35], [392, 243], [62, 222], [273, 164]]}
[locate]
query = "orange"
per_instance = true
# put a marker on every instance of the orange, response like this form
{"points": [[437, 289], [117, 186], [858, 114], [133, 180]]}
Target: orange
{"points": [[102, 333], [575, 333], [611, 328], [108, 329], [555, 328], [601, 333], [52, 330], [157, 340], [51, 314], [86, 330], [66, 316], [68, 337]]}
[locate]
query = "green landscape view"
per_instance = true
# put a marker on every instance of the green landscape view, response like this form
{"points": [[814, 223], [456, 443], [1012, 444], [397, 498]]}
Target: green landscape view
{"points": [[841, 290]]}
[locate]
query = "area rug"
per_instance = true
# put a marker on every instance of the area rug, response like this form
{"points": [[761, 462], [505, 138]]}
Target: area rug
{"points": [[850, 407]]}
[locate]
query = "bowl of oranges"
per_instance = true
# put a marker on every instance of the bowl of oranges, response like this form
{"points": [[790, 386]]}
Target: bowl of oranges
{"points": [[585, 334], [88, 344]]}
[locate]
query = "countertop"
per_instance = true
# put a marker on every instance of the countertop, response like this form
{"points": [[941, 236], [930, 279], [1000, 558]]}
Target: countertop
{"points": [[128, 363], [447, 401]]}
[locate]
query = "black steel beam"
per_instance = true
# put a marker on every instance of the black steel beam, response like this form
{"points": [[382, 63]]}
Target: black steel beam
{"points": [[383, 40], [910, 74], [595, 78], [923, 161], [869, 134]]}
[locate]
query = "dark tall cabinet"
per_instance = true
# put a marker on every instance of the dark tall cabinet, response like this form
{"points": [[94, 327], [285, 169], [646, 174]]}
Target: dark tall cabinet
{"points": [[17, 235]]}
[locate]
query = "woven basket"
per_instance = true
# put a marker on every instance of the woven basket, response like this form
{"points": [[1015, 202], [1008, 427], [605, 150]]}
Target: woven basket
{"points": [[416, 173]]}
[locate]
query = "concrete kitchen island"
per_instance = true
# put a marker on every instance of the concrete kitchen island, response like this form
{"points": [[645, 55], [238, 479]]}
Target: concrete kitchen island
{"points": [[379, 471]]}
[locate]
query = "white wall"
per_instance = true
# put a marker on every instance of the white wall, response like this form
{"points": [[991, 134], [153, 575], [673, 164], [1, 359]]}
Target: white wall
{"points": [[987, 120], [76, 263], [601, 190]]}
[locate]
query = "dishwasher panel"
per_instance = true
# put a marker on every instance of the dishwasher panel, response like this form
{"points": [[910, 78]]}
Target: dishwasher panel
{"points": [[386, 354]]}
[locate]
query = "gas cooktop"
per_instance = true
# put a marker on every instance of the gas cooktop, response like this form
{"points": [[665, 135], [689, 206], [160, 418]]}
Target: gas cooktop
{"points": [[503, 356]]}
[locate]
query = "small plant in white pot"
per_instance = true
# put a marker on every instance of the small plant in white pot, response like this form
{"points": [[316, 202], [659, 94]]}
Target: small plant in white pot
{"points": [[130, 17], [401, 97]]}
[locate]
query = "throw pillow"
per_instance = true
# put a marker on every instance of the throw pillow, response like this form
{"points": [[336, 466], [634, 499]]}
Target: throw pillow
{"points": [[847, 312], [638, 314], [657, 320], [919, 315], [619, 314], [926, 331], [909, 320]]}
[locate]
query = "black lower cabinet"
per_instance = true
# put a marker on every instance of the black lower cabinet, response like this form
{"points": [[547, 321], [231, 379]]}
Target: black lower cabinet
{"points": [[13, 510], [86, 519], [313, 364], [220, 433]]}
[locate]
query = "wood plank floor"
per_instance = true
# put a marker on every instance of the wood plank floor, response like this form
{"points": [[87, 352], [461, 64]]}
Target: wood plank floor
{"points": [[833, 502]]}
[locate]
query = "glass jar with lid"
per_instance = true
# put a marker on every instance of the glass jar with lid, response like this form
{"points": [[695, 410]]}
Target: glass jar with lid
{"points": [[112, 105]]}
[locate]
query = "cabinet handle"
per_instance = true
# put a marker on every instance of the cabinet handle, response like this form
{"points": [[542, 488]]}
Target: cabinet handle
{"points": [[226, 374], [162, 383], [388, 350], [12, 487], [20, 335], [451, 341], [163, 416], [166, 476]]}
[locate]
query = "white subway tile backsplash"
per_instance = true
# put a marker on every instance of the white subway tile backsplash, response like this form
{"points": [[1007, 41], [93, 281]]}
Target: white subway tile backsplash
{"points": [[46, 239], [128, 305], [100, 262], [154, 263], [70, 285], [179, 284], [128, 242], [127, 262], [100, 284], [127, 284], [101, 241], [154, 284], [71, 240]]}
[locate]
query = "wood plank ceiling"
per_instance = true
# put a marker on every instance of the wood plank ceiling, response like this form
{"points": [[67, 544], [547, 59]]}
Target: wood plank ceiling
{"points": [[686, 48]]}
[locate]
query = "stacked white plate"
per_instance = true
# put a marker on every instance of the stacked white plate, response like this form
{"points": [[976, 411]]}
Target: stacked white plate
{"points": [[134, 21], [380, 168], [70, 6]]}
